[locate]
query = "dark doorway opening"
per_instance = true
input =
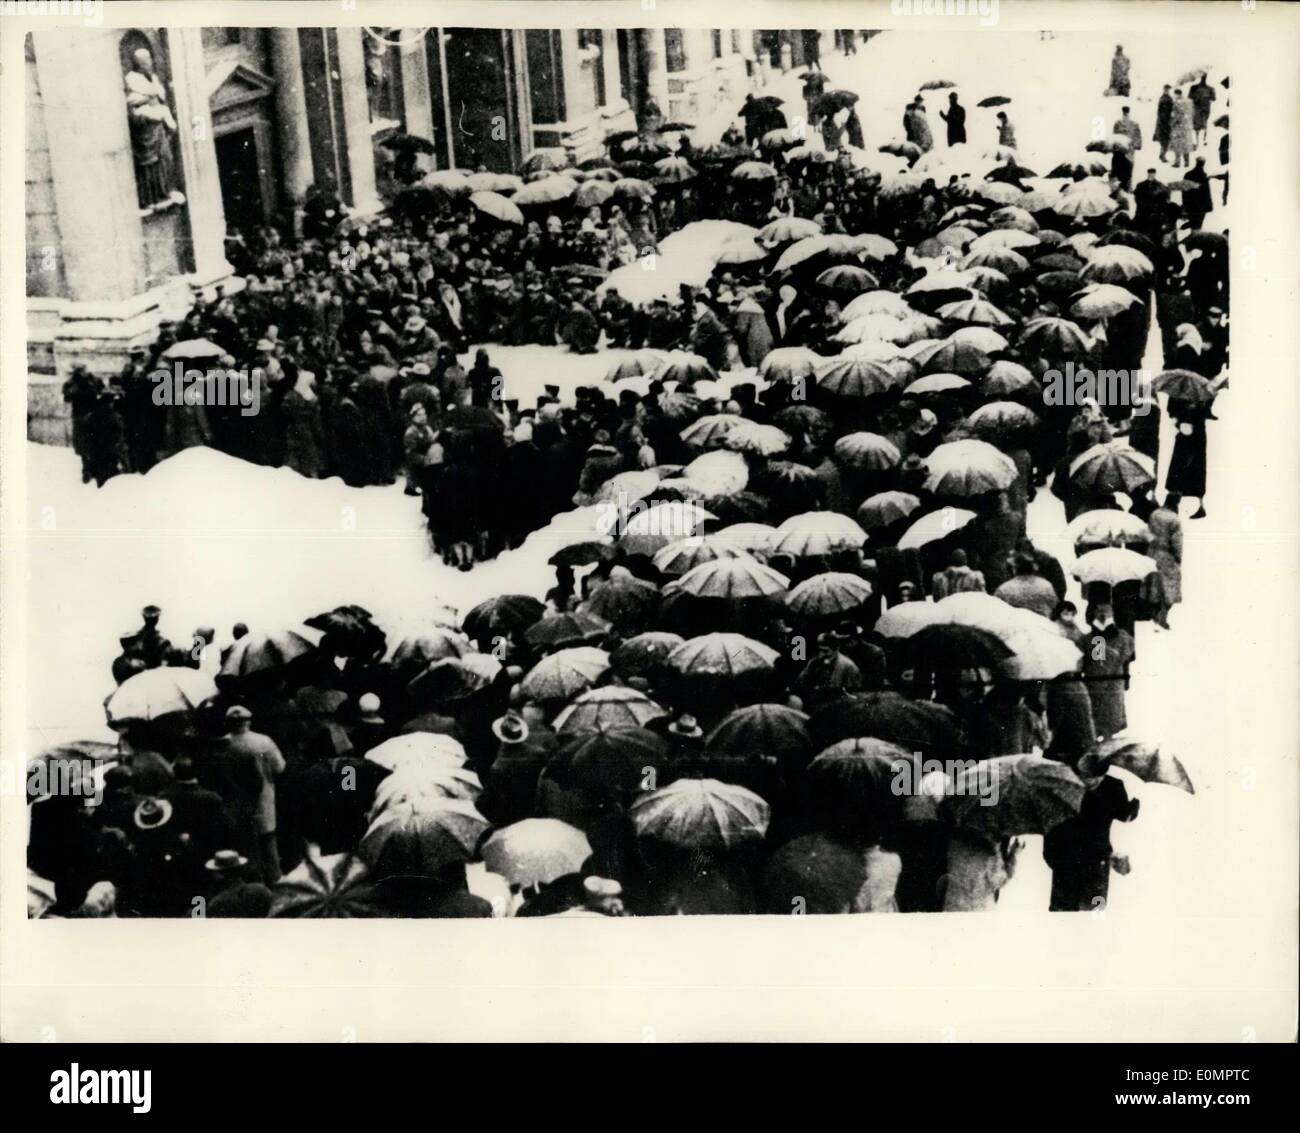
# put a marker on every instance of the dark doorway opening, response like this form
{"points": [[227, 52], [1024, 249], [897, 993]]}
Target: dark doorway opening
{"points": [[241, 182]]}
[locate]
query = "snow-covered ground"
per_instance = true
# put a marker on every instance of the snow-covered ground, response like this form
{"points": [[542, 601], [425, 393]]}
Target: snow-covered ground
{"points": [[214, 541]]}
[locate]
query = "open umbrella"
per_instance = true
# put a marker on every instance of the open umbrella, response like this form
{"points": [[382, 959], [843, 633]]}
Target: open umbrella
{"points": [[683, 366], [748, 536], [984, 339], [556, 631], [644, 655], [565, 674], [788, 229], [591, 193], [833, 592], [952, 356], [423, 783], [701, 814], [502, 616], [1117, 263], [733, 578], [867, 451], [1109, 527], [965, 647], [192, 348], [258, 652], [334, 886], [417, 750], [1030, 796], [721, 654], [937, 84], [886, 508], [674, 170], [782, 138], [754, 171], [1006, 260], [817, 533], [585, 553], [805, 419], [710, 431], [536, 851], [1054, 337], [634, 188], [934, 526], [1114, 466], [686, 554], [547, 191], [856, 377], [623, 601], [1147, 762], [1000, 193], [1011, 238], [1083, 206], [834, 246], [752, 437], [994, 100], [915, 725], [1102, 301], [549, 160], [638, 364], [1184, 385], [1038, 655], [936, 383], [847, 279], [1113, 565], [159, 692], [610, 706], [876, 303], [739, 251], [497, 207], [455, 678], [815, 874], [872, 246], [969, 468], [770, 729], [660, 524], [494, 182], [996, 419], [424, 840]]}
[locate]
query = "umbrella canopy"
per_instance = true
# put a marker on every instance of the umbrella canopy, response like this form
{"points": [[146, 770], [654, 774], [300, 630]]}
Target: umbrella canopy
{"points": [[536, 851], [683, 366], [1054, 337], [456, 678], [674, 170], [637, 364], [1083, 206], [1031, 795], [936, 383], [159, 692], [502, 616], [721, 654], [754, 171], [847, 279], [592, 193], [333, 886], [423, 841], [547, 191], [417, 750], [741, 250], [192, 348], [585, 553], [1038, 655], [565, 674], [857, 377], [872, 246], [687, 554], [867, 450], [1117, 263], [1113, 565], [1005, 260], [998, 418], [494, 182], [1184, 385], [644, 655], [627, 487], [701, 814], [965, 647], [1108, 526], [420, 784], [761, 440], [634, 188], [610, 760], [710, 431], [660, 524], [556, 631], [876, 303], [547, 161], [624, 601], [421, 650], [748, 536], [952, 356], [885, 508], [813, 873], [1114, 466], [984, 339], [1006, 378], [817, 533], [915, 725], [611, 706], [834, 245], [258, 652], [787, 229], [769, 729], [1147, 762], [969, 468], [496, 206], [834, 592], [936, 525]]}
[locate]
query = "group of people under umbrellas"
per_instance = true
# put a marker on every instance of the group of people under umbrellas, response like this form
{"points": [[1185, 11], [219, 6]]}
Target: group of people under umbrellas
{"points": [[806, 659]]}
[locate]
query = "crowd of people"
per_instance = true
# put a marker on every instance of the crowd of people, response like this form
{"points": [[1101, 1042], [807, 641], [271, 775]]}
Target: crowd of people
{"points": [[809, 566]]}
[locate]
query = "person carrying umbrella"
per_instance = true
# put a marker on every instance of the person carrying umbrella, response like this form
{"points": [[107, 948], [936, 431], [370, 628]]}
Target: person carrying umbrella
{"points": [[955, 117], [1078, 850]]}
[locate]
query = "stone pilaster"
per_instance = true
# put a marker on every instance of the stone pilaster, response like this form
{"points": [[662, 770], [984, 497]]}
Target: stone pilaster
{"points": [[358, 150], [291, 124]]}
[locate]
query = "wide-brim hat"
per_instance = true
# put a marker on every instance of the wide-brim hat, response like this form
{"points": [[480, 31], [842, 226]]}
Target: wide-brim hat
{"points": [[226, 861], [510, 728], [687, 727], [152, 813]]}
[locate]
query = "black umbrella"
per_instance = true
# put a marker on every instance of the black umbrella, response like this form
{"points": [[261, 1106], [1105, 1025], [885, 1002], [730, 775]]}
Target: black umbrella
{"points": [[408, 143], [502, 616], [914, 725], [676, 127], [994, 100], [1010, 173], [1221, 121], [834, 101], [938, 84], [583, 554], [617, 137], [1129, 239]]}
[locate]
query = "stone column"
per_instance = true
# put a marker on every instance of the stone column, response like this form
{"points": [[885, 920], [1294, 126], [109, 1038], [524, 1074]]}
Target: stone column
{"points": [[291, 118], [83, 92], [656, 66], [359, 150], [616, 113], [198, 151], [415, 87]]}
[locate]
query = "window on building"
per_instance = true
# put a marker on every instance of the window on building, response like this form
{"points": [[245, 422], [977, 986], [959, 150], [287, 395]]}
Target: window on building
{"points": [[717, 44], [674, 49]]}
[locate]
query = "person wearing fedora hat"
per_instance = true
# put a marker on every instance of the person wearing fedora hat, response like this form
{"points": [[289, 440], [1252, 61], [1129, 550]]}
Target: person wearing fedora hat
{"points": [[231, 893], [242, 767]]}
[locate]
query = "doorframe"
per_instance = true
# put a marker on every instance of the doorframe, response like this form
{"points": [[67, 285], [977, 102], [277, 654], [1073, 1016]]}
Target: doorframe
{"points": [[261, 127]]}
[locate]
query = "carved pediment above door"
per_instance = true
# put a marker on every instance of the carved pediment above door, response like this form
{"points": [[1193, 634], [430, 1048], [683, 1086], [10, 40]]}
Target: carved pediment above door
{"points": [[233, 85]]}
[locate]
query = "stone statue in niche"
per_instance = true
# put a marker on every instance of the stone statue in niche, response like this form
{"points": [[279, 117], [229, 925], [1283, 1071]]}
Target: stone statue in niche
{"points": [[153, 134]]}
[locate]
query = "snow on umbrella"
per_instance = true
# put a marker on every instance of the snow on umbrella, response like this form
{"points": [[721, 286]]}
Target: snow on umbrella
{"points": [[935, 525], [1006, 238], [835, 244], [628, 487], [455, 679], [740, 251], [1013, 218], [585, 553], [711, 430], [1059, 282], [1108, 526], [674, 170], [847, 279], [661, 524], [936, 383], [867, 450], [496, 206], [1031, 795], [905, 619], [818, 533], [885, 508], [556, 631], [1000, 193], [722, 654], [942, 280], [1148, 762], [969, 468], [834, 592], [1130, 239], [1054, 337], [733, 578], [1184, 385], [761, 440], [747, 536], [423, 841], [914, 725], [635, 365], [644, 655], [937, 84], [854, 377], [718, 473], [1039, 655], [805, 152], [634, 188], [875, 303], [787, 229], [701, 814], [259, 652], [565, 674], [768, 729], [686, 554], [754, 171], [683, 366], [952, 356], [547, 191], [984, 339], [423, 784], [608, 707], [902, 182], [782, 138], [536, 851], [417, 750], [986, 280], [1114, 466], [1005, 260], [1113, 565], [494, 183], [997, 418], [451, 181], [872, 246], [159, 692], [337, 885], [624, 601], [1083, 206], [955, 236], [502, 616], [591, 193], [193, 348], [874, 328], [1117, 263]]}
